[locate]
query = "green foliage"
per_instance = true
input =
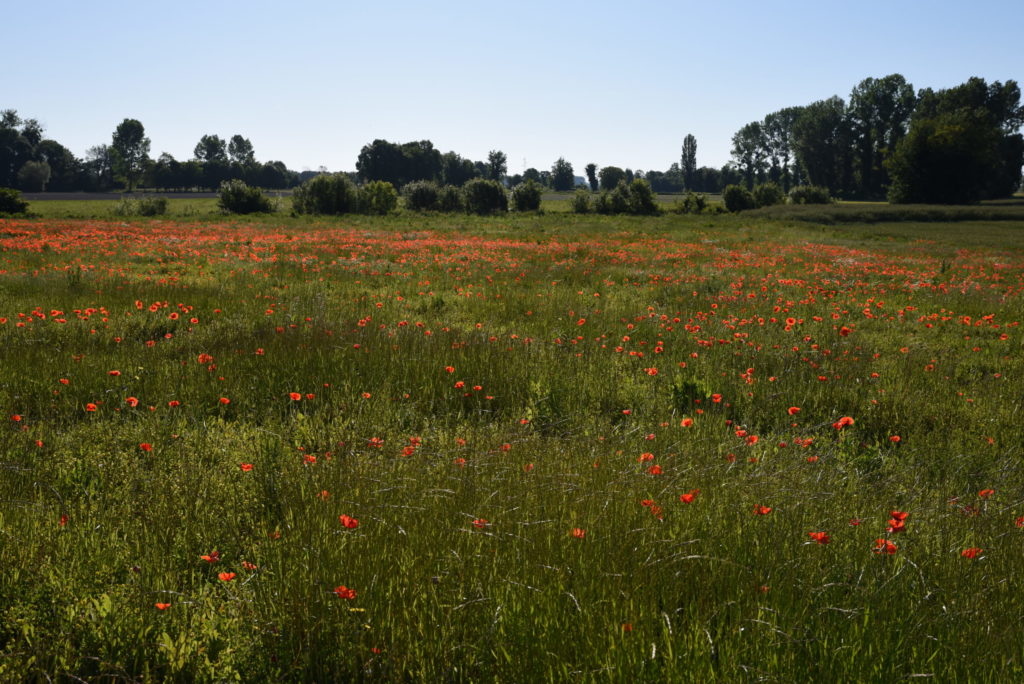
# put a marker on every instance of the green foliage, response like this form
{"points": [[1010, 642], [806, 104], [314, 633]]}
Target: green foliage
{"points": [[641, 198], [235, 197], [738, 198], [421, 196], [562, 177], [810, 194], [327, 193], [768, 194], [11, 202], [526, 196], [485, 197], [144, 206], [378, 198], [693, 203], [944, 160], [450, 198], [33, 176], [610, 177], [581, 203], [129, 149]]}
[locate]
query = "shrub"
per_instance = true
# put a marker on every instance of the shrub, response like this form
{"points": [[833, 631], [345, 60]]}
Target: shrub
{"points": [[145, 206], [11, 202], [768, 195], [378, 197], [641, 198], [738, 198], [526, 196], [422, 196], [809, 194], [236, 197], [328, 193], [581, 201], [603, 203], [693, 203], [451, 198], [485, 197], [619, 199]]}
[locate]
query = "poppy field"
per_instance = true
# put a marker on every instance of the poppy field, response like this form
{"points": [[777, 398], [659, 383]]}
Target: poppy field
{"points": [[550, 448]]}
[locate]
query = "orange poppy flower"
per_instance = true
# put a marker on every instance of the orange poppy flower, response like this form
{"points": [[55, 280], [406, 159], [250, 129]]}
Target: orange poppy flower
{"points": [[162, 606], [344, 592], [226, 576]]}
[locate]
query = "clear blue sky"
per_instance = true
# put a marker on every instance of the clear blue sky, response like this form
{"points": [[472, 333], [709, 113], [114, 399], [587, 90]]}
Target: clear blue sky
{"points": [[309, 83]]}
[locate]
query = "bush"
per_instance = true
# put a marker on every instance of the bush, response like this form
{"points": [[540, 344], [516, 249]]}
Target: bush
{"points": [[451, 198], [809, 194], [738, 198], [485, 197], [422, 196], [526, 196], [619, 199], [145, 206], [378, 197], [641, 198], [328, 193], [693, 203], [236, 197], [768, 195], [11, 202], [581, 201]]}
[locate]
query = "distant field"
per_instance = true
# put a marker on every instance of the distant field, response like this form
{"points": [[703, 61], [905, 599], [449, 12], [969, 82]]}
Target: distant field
{"points": [[522, 448]]}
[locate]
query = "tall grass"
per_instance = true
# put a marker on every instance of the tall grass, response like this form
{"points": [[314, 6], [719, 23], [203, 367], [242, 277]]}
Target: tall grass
{"points": [[559, 438]]}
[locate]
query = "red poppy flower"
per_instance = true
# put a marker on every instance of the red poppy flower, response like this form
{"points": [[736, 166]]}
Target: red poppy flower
{"points": [[762, 510], [246, 467], [480, 523], [654, 470], [295, 396], [793, 410], [162, 606], [579, 533], [132, 401], [225, 576], [344, 592], [146, 446], [225, 401], [689, 496], [686, 422], [986, 493], [348, 521], [114, 373], [884, 546], [90, 407], [820, 537], [972, 552], [212, 557]]}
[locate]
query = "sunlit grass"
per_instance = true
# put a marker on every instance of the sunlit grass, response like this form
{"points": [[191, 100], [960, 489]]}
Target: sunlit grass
{"points": [[555, 441]]}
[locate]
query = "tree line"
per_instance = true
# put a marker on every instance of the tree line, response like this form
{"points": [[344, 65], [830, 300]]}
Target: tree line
{"points": [[957, 145], [31, 162]]}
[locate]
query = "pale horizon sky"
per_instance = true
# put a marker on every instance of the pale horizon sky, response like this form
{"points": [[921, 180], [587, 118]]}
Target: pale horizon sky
{"points": [[310, 83]]}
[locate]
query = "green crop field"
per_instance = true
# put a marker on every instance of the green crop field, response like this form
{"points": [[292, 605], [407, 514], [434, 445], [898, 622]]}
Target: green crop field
{"points": [[518, 448]]}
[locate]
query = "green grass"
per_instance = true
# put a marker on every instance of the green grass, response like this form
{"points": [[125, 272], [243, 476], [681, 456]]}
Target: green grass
{"points": [[594, 341]]}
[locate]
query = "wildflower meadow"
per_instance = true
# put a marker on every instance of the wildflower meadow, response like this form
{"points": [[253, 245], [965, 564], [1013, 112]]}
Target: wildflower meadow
{"points": [[543, 447]]}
